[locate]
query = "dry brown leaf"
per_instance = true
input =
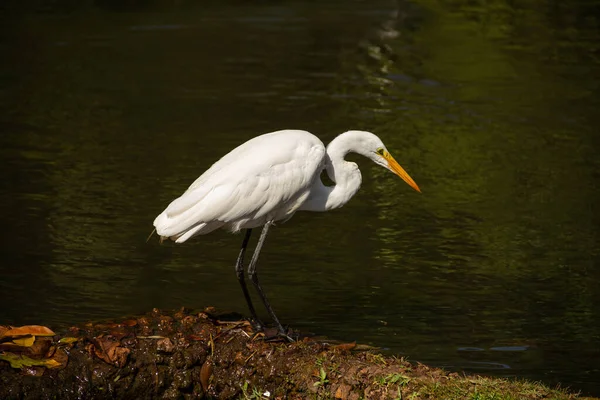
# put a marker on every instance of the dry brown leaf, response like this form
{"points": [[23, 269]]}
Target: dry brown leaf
{"points": [[13, 348], [180, 314], [203, 315], [165, 345], [34, 330], [40, 347], [239, 358], [363, 347], [119, 355], [51, 351], [61, 358], [118, 333], [345, 346], [342, 391], [106, 325], [109, 351], [189, 320], [205, 374]]}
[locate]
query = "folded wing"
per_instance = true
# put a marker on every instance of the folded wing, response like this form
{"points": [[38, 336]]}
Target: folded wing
{"points": [[266, 178]]}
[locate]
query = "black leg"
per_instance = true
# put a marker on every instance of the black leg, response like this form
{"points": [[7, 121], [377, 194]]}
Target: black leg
{"points": [[254, 278], [239, 272]]}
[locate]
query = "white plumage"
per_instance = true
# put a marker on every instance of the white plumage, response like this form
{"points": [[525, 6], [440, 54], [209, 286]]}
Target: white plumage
{"points": [[246, 188], [268, 179]]}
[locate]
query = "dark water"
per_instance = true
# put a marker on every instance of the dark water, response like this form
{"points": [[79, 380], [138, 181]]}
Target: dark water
{"points": [[494, 110]]}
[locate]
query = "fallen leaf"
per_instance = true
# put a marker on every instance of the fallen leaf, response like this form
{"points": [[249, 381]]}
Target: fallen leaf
{"points": [[165, 345], [34, 330], [61, 358], [345, 346], [203, 315], [180, 314], [51, 351], [20, 361], [3, 329], [106, 325], [364, 347], [26, 341], [109, 351], [40, 348], [239, 358], [205, 374], [13, 348], [343, 391], [68, 340], [130, 322], [51, 363], [119, 333], [189, 320]]}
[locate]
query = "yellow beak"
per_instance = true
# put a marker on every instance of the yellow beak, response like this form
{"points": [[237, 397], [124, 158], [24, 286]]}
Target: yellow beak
{"points": [[398, 170]]}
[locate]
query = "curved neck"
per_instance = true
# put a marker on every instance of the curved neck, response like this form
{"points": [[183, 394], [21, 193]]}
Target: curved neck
{"points": [[344, 174]]}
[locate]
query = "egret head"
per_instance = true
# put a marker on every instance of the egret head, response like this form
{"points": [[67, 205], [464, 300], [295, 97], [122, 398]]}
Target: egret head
{"points": [[372, 147]]}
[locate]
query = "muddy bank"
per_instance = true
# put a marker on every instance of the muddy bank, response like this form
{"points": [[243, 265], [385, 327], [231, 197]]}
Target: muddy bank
{"points": [[198, 355]]}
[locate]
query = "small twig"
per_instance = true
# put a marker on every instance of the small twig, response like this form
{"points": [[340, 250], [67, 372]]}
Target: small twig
{"points": [[231, 322], [249, 357], [212, 345], [244, 332], [231, 338]]}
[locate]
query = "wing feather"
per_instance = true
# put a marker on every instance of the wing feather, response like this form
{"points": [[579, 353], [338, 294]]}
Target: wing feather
{"points": [[262, 179]]}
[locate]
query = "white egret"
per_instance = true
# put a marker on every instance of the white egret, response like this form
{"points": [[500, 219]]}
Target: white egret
{"points": [[268, 179]]}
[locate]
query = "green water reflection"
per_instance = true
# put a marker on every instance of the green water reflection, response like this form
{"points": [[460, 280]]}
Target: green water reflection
{"points": [[490, 106]]}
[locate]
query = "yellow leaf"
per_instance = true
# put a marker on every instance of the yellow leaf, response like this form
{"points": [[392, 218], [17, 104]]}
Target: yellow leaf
{"points": [[24, 341], [20, 361], [68, 340], [50, 363]]}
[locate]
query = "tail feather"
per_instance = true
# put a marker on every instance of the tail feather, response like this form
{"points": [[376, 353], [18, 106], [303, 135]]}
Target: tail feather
{"points": [[199, 229], [174, 229]]}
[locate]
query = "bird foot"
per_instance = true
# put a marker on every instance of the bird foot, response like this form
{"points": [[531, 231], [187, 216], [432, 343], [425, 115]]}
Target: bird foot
{"points": [[271, 334], [257, 325], [277, 335]]}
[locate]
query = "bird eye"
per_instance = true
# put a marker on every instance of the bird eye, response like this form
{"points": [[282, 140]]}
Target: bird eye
{"points": [[380, 151]]}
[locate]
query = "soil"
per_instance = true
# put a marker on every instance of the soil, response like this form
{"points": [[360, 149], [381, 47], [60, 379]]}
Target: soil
{"points": [[185, 355]]}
